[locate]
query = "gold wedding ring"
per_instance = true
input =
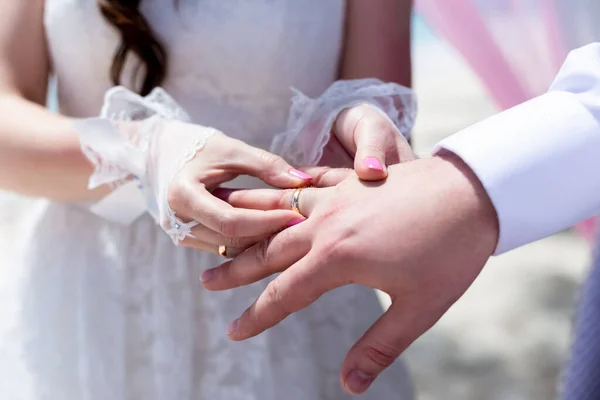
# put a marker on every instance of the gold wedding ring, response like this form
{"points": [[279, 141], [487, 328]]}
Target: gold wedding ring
{"points": [[223, 251], [296, 199]]}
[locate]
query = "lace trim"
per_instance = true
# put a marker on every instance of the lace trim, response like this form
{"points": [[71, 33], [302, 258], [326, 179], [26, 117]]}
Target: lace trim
{"points": [[134, 120], [178, 229], [121, 104], [311, 120], [118, 143], [104, 172]]}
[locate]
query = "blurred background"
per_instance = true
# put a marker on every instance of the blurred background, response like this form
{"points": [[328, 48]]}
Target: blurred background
{"points": [[507, 337]]}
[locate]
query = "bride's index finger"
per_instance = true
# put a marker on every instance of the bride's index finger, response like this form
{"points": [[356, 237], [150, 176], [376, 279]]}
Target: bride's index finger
{"points": [[273, 199], [270, 168], [200, 205]]}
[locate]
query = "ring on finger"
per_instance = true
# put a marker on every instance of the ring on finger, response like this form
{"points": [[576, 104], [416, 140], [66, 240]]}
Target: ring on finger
{"points": [[296, 200], [222, 250]]}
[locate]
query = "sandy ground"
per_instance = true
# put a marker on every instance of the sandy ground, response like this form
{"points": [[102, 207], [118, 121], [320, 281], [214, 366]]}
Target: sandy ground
{"points": [[507, 337]]}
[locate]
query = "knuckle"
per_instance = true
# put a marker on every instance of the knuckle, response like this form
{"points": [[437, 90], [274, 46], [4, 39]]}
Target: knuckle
{"points": [[330, 252], [356, 113], [228, 224], [270, 160], [321, 174], [283, 199], [276, 297], [373, 147], [273, 292], [373, 121], [236, 241], [340, 252], [380, 354], [177, 194], [262, 252]]}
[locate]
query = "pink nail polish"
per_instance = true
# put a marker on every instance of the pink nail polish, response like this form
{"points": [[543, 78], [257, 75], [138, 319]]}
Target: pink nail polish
{"points": [[296, 221], [208, 275], [373, 163], [358, 382], [233, 326], [299, 174]]}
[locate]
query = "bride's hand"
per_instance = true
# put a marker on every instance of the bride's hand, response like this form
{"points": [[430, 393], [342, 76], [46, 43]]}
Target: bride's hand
{"points": [[364, 138], [176, 165], [222, 159]]}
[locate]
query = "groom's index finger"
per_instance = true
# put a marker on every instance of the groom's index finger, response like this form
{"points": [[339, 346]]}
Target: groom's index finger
{"points": [[267, 257], [296, 288]]}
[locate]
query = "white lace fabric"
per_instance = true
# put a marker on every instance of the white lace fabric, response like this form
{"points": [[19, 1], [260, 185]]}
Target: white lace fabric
{"points": [[310, 120], [148, 139], [94, 310]]}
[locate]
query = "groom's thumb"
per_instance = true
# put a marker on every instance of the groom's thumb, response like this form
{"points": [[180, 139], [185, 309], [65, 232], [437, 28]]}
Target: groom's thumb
{"points": [[377, 349]]}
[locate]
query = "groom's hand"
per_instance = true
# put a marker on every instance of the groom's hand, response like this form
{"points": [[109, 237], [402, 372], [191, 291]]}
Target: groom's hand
{"points": [[422, 237]]}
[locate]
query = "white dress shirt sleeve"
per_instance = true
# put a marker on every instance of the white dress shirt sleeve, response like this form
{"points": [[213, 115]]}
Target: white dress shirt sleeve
{"points": [[540, 161]]}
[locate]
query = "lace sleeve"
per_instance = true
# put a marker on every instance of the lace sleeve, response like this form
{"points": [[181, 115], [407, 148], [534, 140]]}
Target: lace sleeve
{"points": [[310, 120], [144, 141]]}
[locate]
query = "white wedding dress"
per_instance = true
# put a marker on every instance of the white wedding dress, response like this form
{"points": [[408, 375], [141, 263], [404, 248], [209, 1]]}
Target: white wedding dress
{"points": [[91, 310]]}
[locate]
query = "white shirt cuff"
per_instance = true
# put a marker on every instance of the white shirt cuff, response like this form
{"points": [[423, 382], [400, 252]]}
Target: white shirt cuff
{"points": [[539, 163]]}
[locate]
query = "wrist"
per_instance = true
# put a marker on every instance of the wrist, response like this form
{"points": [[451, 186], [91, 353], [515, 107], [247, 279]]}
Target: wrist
{"points": [[465, 189]]}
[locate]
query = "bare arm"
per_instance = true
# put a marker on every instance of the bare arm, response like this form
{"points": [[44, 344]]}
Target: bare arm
{"points": [[377, 43], [39, 151]]}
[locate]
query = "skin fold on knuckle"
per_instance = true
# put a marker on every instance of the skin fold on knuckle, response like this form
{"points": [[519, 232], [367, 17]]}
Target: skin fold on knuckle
{"points": [[238, 242], [335, 247], [320, 174], [228, 224], [271, 163], [282, 199], [375, 124], [261, 252], [380, 354], [277, 300]]}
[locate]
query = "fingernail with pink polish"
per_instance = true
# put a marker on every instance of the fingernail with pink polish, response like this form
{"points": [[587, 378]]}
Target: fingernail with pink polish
{"points": [[373, 163], [233, 326], [358, 382], [299, 174], [208, 275], [296, 221]]}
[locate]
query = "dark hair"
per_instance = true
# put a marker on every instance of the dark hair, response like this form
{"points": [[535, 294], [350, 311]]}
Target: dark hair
{"points": [[136, 36]]}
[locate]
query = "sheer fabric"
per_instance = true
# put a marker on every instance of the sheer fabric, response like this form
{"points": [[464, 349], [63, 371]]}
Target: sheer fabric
{"points": [[516, 47], [94, 310]]}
